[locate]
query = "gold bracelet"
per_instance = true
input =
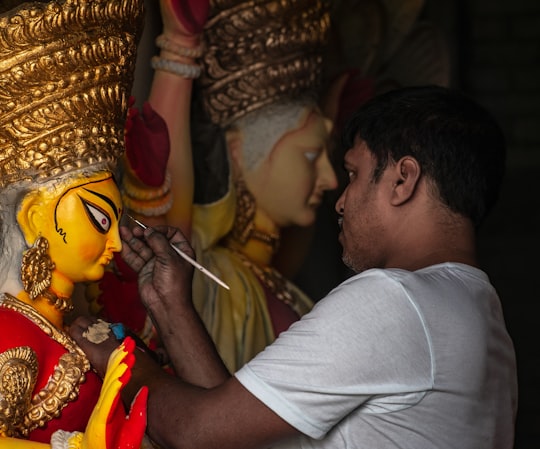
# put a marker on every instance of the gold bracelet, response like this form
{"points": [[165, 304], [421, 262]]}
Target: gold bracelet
{"points": [[166, 44]]}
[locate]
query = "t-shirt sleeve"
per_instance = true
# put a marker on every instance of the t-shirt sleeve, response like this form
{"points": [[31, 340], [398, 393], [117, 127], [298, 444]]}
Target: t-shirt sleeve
{"points": [[362, 347]]}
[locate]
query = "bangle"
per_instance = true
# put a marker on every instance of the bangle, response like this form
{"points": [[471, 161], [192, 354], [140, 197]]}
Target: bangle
{"points": [[148, 201], [166, 44], [189, 71], [149, 208], [146, 192]]}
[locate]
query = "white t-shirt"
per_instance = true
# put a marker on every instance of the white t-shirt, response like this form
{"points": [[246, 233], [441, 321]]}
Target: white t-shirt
{"points": [[395, 359]]}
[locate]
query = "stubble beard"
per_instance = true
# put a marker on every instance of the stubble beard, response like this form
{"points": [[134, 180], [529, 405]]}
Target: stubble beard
{"points": [[364, 253], [351, 264]]}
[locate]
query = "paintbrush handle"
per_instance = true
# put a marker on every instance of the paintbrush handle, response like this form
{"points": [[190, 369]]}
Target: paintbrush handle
{"points": [[189, 259]]}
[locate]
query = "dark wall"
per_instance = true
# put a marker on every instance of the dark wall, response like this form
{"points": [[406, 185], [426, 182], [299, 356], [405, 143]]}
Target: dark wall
{"points": [[501, 68]]}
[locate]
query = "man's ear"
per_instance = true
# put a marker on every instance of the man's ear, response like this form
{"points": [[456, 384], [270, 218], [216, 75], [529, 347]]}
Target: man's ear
{"points": [[233, 138], [407, 173], [29, 217]]}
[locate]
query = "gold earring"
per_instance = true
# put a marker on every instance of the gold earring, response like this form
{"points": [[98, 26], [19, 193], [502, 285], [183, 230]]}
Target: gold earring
{"points": [[244, 220], [36, 268], [245, 212]]}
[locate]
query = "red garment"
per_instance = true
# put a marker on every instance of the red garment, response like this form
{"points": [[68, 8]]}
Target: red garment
{"points": [[19, 331], [119, 299], [281, 314]]}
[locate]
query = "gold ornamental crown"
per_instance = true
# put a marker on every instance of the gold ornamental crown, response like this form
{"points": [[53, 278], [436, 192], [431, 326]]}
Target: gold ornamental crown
{"points": [[66, 70], [259, 52]]}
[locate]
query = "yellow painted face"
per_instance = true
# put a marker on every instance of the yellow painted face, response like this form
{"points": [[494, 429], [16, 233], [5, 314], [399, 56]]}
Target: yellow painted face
{"points": [[81, 226]]}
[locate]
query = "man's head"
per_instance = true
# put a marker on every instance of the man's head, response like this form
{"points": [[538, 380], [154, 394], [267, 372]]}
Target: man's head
{"points": [[425, 165], [457, 143]]}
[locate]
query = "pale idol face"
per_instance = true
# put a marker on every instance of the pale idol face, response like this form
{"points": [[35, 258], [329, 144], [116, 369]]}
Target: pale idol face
{"points": [[289, 184], [82, 229]]}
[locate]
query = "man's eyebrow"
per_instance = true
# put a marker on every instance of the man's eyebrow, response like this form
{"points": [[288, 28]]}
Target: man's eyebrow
{"points": [[106, 199]]}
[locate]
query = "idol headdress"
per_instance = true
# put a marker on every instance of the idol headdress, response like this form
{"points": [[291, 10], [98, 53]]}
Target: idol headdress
{"points": [[66, 71], [259, 52]]}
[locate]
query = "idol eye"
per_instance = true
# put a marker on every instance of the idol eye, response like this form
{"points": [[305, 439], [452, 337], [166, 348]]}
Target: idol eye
{"points": [[98, 217], [311, 155]]}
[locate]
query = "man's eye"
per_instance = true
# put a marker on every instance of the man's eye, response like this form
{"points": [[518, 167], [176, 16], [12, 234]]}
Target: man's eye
{"points": [[99, 218]]}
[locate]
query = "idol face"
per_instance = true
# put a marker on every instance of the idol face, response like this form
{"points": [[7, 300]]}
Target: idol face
{"points": [[81, 226], [290, 183]]}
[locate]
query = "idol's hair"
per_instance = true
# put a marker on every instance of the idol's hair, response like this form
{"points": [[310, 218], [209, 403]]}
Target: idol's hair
{"points": [[263, 128]]}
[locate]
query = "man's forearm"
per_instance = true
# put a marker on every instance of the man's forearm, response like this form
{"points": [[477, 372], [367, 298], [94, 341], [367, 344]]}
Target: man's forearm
{"points": [[190, 348]]}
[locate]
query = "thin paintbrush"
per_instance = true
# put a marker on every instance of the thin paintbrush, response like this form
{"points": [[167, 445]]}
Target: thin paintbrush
{"points": [[189, 259]]}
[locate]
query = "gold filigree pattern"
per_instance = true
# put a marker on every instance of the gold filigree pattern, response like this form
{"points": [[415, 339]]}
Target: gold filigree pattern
{"points": [[257, 53], [63, 387], [36, 275], [36, 269], [18, 374], [243, 228], [64, 383], [66, 69], [272, 280]]}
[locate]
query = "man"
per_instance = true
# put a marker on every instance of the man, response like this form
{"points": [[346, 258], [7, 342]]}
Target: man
{"points": [[411, 352]]}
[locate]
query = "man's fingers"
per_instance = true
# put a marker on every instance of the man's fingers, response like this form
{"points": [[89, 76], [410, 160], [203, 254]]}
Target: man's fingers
{"points": [[98, 354], [156, 241], [80, 324], [134, 251], [161, 241]]}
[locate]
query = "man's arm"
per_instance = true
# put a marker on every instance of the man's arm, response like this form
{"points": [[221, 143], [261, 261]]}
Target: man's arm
{"points": [[211, 409], [165, 284]]}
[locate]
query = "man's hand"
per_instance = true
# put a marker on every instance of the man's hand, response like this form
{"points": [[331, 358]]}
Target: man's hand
{"points": [[164, 277]]}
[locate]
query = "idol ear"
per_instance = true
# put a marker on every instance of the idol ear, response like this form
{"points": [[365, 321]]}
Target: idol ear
{"points": [[29, 217], [407, 173]]}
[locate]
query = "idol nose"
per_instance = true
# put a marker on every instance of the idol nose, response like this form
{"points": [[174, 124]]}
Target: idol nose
{"points": [[326, 176], [114, 242]]}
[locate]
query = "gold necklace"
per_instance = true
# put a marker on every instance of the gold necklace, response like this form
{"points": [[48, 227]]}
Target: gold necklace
{"points": [[12, 303], [270, 278]]}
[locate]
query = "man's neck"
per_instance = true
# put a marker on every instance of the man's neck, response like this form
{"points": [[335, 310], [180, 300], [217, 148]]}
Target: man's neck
{"points": [[437, 243]]}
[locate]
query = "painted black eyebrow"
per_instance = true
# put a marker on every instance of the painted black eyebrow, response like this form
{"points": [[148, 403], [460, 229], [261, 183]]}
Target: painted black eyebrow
{"points": [[106, 199]]}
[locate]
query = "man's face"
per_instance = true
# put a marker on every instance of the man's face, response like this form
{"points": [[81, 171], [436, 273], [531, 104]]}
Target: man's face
{"points": [[362, 210]]}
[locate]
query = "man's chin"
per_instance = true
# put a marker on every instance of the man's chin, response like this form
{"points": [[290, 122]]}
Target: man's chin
{"points": [[349, 262]]}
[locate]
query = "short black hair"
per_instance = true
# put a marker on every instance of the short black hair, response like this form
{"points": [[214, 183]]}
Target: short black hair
{"points": [[457, 142]]}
